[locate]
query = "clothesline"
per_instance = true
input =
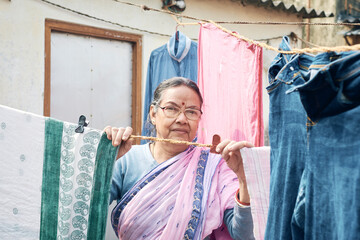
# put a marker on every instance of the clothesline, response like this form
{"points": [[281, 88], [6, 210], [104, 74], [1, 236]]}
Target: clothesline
{"points": [[146, 8], [171, 141], [104, 20], [263, 45], [292, 35], [266, 46], [121, 25], [294, 51]]}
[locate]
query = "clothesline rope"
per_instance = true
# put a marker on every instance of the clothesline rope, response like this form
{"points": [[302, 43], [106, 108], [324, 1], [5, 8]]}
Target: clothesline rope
{"points": [[263, 45], [171, 141], [294, 35], [122, 25], [104, 20], [290, 23], [295, 50], [146, 8]]}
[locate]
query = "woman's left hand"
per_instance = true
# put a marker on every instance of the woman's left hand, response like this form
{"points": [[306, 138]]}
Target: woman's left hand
{"points": [[230, 151]]}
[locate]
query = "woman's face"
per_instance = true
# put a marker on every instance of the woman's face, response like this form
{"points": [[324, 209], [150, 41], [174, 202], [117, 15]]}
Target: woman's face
{"points": [[180, 127]]}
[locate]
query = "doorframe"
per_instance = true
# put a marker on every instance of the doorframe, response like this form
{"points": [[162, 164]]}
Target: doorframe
{"points": [[52, 25]]}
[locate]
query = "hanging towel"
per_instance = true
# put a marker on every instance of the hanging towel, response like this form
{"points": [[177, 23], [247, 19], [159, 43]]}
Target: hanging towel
{"points": [[177, 58], [54, 183], [230, 81], [257, 170]]}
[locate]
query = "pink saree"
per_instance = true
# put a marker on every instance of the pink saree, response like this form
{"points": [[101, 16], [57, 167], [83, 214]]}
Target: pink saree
{"points": [[182, 198]]}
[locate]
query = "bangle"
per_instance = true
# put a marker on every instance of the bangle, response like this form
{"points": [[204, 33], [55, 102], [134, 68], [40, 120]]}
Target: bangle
{"points": [[241, 204]]}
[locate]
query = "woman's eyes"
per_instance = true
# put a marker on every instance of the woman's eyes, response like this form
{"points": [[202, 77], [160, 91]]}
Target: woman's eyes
{"points": [[172, 108], [193, 112]]}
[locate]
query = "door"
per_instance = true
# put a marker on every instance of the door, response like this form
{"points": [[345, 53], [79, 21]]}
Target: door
{"points": [[92, 72]]}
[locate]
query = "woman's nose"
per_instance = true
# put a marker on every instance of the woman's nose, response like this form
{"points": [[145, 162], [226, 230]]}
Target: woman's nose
{"points": [[181, 117]]}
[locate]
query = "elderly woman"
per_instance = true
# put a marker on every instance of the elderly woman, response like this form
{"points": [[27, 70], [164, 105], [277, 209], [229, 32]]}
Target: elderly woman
{"points": [[173, 191]]}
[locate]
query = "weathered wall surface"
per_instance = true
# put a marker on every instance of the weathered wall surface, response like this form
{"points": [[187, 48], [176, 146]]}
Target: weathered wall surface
{"points": [[22, 35], [322, 35]]}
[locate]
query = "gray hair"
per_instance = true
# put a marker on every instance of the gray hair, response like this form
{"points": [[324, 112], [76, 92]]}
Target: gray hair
{"points": [[164, 85], [174, 82]]}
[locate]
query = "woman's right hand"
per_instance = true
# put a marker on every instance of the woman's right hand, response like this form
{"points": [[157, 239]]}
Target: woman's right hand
{"points": [[120, 137]]}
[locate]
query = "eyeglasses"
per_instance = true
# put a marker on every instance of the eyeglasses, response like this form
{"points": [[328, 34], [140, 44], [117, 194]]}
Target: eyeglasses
{"points": [[174, 112]]}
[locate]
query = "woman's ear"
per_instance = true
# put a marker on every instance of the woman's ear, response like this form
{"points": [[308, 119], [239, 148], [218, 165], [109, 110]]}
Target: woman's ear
{"points": [[152, 114]]}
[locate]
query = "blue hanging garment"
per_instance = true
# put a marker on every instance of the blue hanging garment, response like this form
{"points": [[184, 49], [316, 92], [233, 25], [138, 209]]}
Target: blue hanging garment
{"points": [[176, 58]]}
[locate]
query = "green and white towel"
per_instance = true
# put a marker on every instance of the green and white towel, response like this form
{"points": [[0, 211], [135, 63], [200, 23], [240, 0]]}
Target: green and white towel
{"points": [[54, 183]]}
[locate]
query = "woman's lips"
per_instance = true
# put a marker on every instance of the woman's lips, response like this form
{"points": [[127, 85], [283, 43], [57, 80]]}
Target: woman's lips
{"points": [[180, 130]]}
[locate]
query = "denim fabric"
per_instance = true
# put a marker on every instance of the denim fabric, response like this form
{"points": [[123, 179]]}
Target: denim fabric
{"points": [[331, 98], [326, 87], [333, 182], [332, 86], [288, 143], [298, 217]]}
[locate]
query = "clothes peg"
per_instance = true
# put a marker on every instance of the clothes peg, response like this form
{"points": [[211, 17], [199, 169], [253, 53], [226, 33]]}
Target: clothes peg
{"points": [[81, 124], [215, 141]]}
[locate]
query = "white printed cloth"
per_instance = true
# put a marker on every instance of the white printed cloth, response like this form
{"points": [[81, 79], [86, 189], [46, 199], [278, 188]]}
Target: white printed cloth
{"points": [[54, 183]]}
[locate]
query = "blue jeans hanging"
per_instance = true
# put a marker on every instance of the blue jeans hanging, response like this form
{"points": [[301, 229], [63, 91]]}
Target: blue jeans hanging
{"points": [[331, 98], [288, 143], [325, 87]]}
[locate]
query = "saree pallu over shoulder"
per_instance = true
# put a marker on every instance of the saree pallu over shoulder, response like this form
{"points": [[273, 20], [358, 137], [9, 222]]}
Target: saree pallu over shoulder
{"points": [[180, 198]]}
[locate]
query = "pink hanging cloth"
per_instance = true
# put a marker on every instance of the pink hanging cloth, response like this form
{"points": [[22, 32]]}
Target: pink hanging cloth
{"points": [[230, 81]]}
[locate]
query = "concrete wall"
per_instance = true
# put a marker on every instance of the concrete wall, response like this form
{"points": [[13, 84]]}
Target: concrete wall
{"points": [[22, 35], [329, 36]]}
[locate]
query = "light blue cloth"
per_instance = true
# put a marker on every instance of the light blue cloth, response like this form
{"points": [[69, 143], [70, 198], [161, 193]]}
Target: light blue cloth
{"points": [[138, 161], [177, 58]]}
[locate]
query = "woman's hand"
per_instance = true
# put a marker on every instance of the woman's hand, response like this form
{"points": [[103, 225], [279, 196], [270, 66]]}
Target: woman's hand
{"points": [[120, 137], [230, 151]]}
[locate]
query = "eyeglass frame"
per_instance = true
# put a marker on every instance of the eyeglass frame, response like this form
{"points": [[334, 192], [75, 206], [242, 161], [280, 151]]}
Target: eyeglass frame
{"points": [[181, 111]]}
